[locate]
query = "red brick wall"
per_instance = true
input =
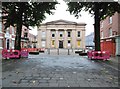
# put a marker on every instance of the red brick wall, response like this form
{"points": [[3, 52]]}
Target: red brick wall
{"points": [[114, 25], [119, 24]]}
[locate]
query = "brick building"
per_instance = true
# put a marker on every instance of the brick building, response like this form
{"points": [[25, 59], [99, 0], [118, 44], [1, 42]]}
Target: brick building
{"points": [[7, 37], [110, 34], [24, 37], [32, 41]]}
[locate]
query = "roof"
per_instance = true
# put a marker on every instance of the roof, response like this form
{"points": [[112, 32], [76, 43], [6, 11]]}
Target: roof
{"points": [[62, 22]]}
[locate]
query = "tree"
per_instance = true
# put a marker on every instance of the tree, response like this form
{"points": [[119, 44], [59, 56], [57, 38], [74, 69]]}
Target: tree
{"points": [[100, 10], [25, 13]]}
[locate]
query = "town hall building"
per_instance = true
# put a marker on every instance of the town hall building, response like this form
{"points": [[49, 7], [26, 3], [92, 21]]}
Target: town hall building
{"points": [[61, 34]]}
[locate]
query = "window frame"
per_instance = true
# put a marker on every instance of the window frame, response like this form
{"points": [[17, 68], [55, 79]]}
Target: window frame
{"points": [[69, 34], [110, 20], [78, 34], [110, 32]]}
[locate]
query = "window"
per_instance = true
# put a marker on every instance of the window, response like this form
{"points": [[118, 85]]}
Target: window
{"points": [[0, 27], [78, 33], [43, 43], [68, 41], [12, 30], [0, 43], [43, 34], [25, 34], [53, 42], [101, 24], [61, 34], [110, 31], [13, 44], [53, 35], [78, 42], [69, 35], [110, 20], [25, 29], [102, 35]]}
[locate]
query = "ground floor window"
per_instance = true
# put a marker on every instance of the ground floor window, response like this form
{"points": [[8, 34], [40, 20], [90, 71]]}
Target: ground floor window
{"points": [[1, 46], [78, 43], [53, 42], [43, 43], [13, 43]]}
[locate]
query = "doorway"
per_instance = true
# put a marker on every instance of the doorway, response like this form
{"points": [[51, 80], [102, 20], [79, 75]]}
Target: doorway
{"points": [[7, 43], [60, 44]]}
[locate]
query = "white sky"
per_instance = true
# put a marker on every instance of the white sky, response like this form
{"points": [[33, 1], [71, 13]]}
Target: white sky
{"points": [[61, 13]]}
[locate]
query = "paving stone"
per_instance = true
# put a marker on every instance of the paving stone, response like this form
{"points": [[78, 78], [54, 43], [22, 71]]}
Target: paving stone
{"points": [[43, 84], [43, 81], [53, 84], [24, 81]]}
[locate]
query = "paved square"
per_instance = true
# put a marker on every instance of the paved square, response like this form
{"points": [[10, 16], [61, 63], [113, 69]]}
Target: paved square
{"points": [[53, 70]]}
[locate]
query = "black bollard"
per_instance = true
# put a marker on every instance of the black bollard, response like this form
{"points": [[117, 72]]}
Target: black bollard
{"points": [[58, 51], [68, 52], [48, 51]]}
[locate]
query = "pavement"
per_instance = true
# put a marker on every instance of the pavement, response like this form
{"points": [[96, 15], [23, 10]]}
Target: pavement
{"points": [[63, 70]]}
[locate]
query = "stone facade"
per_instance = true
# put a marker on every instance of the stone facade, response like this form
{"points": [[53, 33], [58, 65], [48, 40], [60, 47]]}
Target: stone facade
{"points": [[61, 34]]}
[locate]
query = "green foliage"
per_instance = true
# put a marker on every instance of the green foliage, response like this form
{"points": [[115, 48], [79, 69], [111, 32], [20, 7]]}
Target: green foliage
{"points": [[105, 9], [25, 13], [33, 13]]}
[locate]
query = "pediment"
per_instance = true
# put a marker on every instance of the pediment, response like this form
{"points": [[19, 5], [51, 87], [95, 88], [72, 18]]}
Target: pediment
{"points": [[61, 22]]}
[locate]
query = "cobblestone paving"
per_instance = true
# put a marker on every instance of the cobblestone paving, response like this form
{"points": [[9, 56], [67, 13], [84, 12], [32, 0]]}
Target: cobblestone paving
{"points": [[45, 70]]}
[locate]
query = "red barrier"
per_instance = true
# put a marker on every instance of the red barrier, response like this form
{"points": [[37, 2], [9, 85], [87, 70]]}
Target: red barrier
{"points": [[104, 55], [32, 49], [7, 54], [24, 52]]}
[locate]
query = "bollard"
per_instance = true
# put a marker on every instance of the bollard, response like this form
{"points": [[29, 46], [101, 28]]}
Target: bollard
{"points": [[48, 51], [68, 52], [58, 51], [72, 49]]}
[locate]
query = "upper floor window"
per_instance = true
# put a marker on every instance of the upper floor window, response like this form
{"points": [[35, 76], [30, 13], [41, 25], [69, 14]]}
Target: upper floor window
{"points": [[25, 34], [101, 25], [43, 34], [78, 33], [69, 35], [0, 27], [1, 43], [25, 29], [102, 35], [110, 20], [61, 34], [110, 31], [68, 41], [53, 34], [12, 30]]}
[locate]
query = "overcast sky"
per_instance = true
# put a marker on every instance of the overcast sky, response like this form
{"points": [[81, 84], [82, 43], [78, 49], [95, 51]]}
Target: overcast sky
{"points": [[61, 13]]}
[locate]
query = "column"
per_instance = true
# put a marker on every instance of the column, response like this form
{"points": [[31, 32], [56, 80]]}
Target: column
{"points": [[73, 44], [56, 39], [48, 40], [65, 38]]}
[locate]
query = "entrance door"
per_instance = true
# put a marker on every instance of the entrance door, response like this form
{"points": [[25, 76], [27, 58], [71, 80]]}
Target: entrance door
{"points": [[60, 44], [7, 43]]}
